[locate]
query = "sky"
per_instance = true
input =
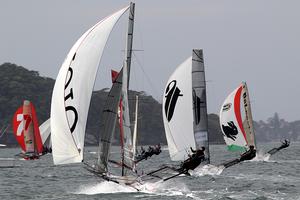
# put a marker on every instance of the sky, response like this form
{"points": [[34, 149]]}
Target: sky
{"points": [[254, 41]]}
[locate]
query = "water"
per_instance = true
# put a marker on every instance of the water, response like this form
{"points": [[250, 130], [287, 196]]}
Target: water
{"points": [[277, 177]]}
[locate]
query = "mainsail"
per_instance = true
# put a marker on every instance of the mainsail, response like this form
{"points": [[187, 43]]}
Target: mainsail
{"points": [[110, 114], [236, 120], [73, 89], [127, 148], [184, 108], [199, 102]]}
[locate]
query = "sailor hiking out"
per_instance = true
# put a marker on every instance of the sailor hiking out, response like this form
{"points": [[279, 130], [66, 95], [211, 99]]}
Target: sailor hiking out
{"points": [[193, 161]]}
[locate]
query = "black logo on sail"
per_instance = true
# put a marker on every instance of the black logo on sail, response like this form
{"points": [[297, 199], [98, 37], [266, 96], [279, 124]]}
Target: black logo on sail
{"points": [[196, 101], [230, 131], [172, 94], [69, 96]]}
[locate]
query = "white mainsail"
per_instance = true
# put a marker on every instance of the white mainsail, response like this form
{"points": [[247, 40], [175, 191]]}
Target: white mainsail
{"points": [[184, 108], [73, 89], [236, 120]]}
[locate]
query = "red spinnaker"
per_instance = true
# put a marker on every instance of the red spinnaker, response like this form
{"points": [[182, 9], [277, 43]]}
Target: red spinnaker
{"points": [[18, 127]]}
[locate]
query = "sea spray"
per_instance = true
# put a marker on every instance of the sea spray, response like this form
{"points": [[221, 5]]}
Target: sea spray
{"points": [[104, 188], [207, 170]]}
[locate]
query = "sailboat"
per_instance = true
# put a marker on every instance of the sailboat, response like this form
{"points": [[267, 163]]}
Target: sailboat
{"points": [[185, 111], [27, 132], [236, 122], [72, 95]]}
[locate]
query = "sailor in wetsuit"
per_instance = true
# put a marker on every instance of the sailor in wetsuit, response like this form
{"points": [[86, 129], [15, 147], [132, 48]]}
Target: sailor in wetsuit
{"points": [[151, 150], [284, 144], [193, 161], [248, 155]]}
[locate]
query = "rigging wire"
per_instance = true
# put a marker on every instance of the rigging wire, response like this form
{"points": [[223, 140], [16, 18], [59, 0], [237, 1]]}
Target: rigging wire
{"points": [[154, 89], [3, 130]]}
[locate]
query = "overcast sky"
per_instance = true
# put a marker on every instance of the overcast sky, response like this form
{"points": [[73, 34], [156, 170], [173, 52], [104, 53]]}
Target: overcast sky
{"points": [[254, 41]]}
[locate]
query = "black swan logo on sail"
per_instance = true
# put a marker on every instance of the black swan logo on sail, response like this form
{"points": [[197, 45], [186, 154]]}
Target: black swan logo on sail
{"points": [[172, 93], [197, 101], [70, 95], [230, 131]]}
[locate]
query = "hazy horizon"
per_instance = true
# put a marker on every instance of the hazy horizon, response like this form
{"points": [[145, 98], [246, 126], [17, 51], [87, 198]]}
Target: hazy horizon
{"points": [[250, 41]]}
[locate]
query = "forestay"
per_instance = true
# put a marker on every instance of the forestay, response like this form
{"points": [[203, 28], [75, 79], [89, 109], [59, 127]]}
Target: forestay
{"points": [[236, 120], [73, 89]]}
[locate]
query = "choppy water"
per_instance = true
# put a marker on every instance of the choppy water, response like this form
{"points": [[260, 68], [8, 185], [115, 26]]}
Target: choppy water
{"points": [[277, 177]]}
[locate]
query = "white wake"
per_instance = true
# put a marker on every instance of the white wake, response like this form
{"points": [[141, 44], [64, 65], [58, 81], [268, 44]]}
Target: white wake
{"points": [[104, 187], [207, 170]]}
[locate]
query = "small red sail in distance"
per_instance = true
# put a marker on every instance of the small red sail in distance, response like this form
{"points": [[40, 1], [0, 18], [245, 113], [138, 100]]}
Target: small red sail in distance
{"points": [[25, 123]]}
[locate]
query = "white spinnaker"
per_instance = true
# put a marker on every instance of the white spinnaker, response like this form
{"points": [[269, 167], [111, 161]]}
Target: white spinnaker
{"points": [[45, 130], [73, 89], [178, 112], [230, 122]]}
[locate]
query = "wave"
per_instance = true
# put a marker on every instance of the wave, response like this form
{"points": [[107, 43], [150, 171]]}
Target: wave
{"points": [[104, 188], [261, 156], [207, 170], [168, 188]]}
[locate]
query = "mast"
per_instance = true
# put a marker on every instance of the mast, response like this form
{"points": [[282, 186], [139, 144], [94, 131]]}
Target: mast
{"points": [[127, 151], [129, 41], [200, 123], [249, 121]]}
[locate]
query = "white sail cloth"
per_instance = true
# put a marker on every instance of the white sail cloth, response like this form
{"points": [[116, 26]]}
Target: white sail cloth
{"points": [[178, 112], [73, 89]]}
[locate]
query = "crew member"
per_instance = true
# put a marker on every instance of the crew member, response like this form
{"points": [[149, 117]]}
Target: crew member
{"points": [[248, 155], [193, 161]]}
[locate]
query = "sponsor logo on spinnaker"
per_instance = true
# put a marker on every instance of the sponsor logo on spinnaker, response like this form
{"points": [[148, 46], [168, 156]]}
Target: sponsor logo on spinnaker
{"points": [[70, 96], [226, 107], [172, 93], [230, 131]]}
